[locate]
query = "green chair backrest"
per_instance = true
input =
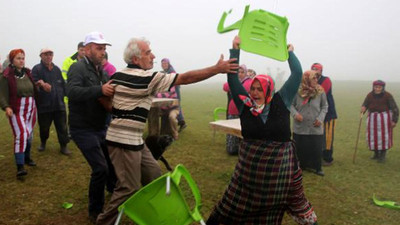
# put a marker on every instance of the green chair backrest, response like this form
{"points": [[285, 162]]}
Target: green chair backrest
{"points": [[162, 202], [261, 32], [217, 111]]}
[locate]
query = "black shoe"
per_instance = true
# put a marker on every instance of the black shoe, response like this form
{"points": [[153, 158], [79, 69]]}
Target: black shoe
{"points": [[42, 147], [181, 127], [30, 162], [21, 171], [320, 173], [93, 217], [65, 151]]}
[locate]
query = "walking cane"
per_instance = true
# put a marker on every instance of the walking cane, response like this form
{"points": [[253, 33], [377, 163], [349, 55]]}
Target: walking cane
{"points": [[358, 137]]}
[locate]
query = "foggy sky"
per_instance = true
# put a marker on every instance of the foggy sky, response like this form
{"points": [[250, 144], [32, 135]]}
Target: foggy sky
{"points": [[353, 39]]}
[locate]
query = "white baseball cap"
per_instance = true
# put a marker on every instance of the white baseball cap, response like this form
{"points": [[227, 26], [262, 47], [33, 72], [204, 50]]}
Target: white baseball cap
{"points": [[97, 38]]}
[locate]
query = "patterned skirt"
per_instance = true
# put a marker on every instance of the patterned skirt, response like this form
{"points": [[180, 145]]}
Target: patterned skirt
{"points": [[379, 131], [266, 182]]}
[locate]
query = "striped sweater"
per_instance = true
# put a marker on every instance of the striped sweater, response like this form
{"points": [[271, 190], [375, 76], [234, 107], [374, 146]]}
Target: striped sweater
{"points": [[134, 91]]}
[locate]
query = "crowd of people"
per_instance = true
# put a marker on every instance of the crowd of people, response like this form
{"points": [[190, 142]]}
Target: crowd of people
{"points": [[108, 109]]}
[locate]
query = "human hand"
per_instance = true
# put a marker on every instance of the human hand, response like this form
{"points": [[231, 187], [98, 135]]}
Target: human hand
{"points": [[298, 117], [9, 112], [236, 42], [363, 109], [46, 87], [290, 48], [107, 89], [317, 123], [227, 66]]}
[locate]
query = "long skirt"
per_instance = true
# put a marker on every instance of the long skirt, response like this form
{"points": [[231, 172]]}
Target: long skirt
{"points": [[266, 182], [309, 150], [379, 131]]}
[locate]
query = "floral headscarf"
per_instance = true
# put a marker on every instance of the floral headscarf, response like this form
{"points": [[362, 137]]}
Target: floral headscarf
{"points": [[305, 90], [170, 67], [268, 86]]}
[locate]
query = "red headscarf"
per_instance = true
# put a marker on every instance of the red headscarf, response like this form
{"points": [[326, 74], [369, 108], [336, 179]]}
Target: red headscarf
{"points": [[14, 53], [268, 86], [316, 66]]}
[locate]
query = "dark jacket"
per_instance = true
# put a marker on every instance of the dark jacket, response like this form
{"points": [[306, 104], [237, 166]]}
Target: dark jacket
{"points": [[83, 90], [54, 100]]}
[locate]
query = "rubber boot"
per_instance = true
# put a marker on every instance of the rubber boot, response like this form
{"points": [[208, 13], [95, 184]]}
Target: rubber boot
{"points": [[382, 156], [42, 147], [64, 150], [30, 162], [21, 171], [375, 156]]}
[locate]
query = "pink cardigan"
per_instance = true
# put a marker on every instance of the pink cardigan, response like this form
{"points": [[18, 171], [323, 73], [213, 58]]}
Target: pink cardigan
{"points": [[232, 110]]}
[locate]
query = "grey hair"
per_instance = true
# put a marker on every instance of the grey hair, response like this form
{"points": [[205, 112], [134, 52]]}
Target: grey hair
{"points": [[132, 49]]}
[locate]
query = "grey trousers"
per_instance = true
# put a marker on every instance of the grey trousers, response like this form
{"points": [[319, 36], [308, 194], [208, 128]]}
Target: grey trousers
{"points": [[133, 169]]}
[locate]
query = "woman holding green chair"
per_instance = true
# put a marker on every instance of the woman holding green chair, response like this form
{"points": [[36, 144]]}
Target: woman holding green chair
{"points": [[267, 180]]}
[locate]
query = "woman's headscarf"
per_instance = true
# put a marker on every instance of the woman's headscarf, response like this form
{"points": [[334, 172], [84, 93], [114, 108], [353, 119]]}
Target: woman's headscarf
{"points": [[380, 83], [170, 67], [268, 86], [305, 90], [14, 53]]}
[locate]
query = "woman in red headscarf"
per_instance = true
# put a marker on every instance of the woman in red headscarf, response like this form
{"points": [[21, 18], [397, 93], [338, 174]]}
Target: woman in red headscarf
{"points": [[17, 91], [309, 108], [382, 118], [267, 180]]}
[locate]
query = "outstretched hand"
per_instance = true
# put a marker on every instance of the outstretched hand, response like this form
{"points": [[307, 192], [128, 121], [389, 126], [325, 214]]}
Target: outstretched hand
{"points": [[227, 66]]}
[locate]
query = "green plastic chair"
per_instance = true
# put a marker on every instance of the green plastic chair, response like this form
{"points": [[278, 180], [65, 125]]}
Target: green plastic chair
{"points": [[386, 204], [218, 111], [261, 32], [161, 202]]}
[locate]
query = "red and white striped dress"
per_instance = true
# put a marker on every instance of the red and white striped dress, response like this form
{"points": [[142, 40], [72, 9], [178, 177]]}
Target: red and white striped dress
{"points": [[379, 130], [22, 122]]}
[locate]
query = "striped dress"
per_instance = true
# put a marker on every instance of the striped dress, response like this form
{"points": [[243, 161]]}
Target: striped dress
{"points": [[382, 112]]}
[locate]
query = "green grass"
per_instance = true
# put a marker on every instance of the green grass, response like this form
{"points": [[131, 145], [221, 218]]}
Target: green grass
{"points": [[343, 196]]}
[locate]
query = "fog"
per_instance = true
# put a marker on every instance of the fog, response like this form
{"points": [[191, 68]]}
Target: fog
{"points": [[354, 40]]}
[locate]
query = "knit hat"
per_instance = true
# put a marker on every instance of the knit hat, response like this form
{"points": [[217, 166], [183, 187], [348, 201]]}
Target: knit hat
{"points": [[45, 50]]}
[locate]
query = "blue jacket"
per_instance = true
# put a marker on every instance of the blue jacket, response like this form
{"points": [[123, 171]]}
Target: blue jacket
{"points": [[54, 100]]}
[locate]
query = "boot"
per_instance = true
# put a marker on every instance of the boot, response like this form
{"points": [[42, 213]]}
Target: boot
{"points": [[375, 156], [30, 162], [64, 150], [42, 147], [382, 156], [21, 171]]}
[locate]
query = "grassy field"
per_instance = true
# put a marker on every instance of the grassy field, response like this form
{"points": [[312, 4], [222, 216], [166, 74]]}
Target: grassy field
{"points": [[343, 196]]}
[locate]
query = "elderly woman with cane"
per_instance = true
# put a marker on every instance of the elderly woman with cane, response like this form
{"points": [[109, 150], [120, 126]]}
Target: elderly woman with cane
{"points": [[267, 180], [382, 118]]}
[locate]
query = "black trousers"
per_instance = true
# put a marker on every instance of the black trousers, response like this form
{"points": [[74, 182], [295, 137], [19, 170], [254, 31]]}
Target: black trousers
{"points": [[60, 123], [93, 147]]}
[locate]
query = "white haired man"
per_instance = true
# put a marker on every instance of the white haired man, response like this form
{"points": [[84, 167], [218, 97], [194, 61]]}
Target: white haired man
{"points": [[135, 87]]}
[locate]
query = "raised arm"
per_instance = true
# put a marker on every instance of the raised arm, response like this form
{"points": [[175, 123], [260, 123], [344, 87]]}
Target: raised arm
{"points": [[291, 86], [235, 85]]}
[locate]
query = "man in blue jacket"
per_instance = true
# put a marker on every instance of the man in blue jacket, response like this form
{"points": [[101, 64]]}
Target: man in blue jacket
{"points": [[86, 87], [50, 102]]}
